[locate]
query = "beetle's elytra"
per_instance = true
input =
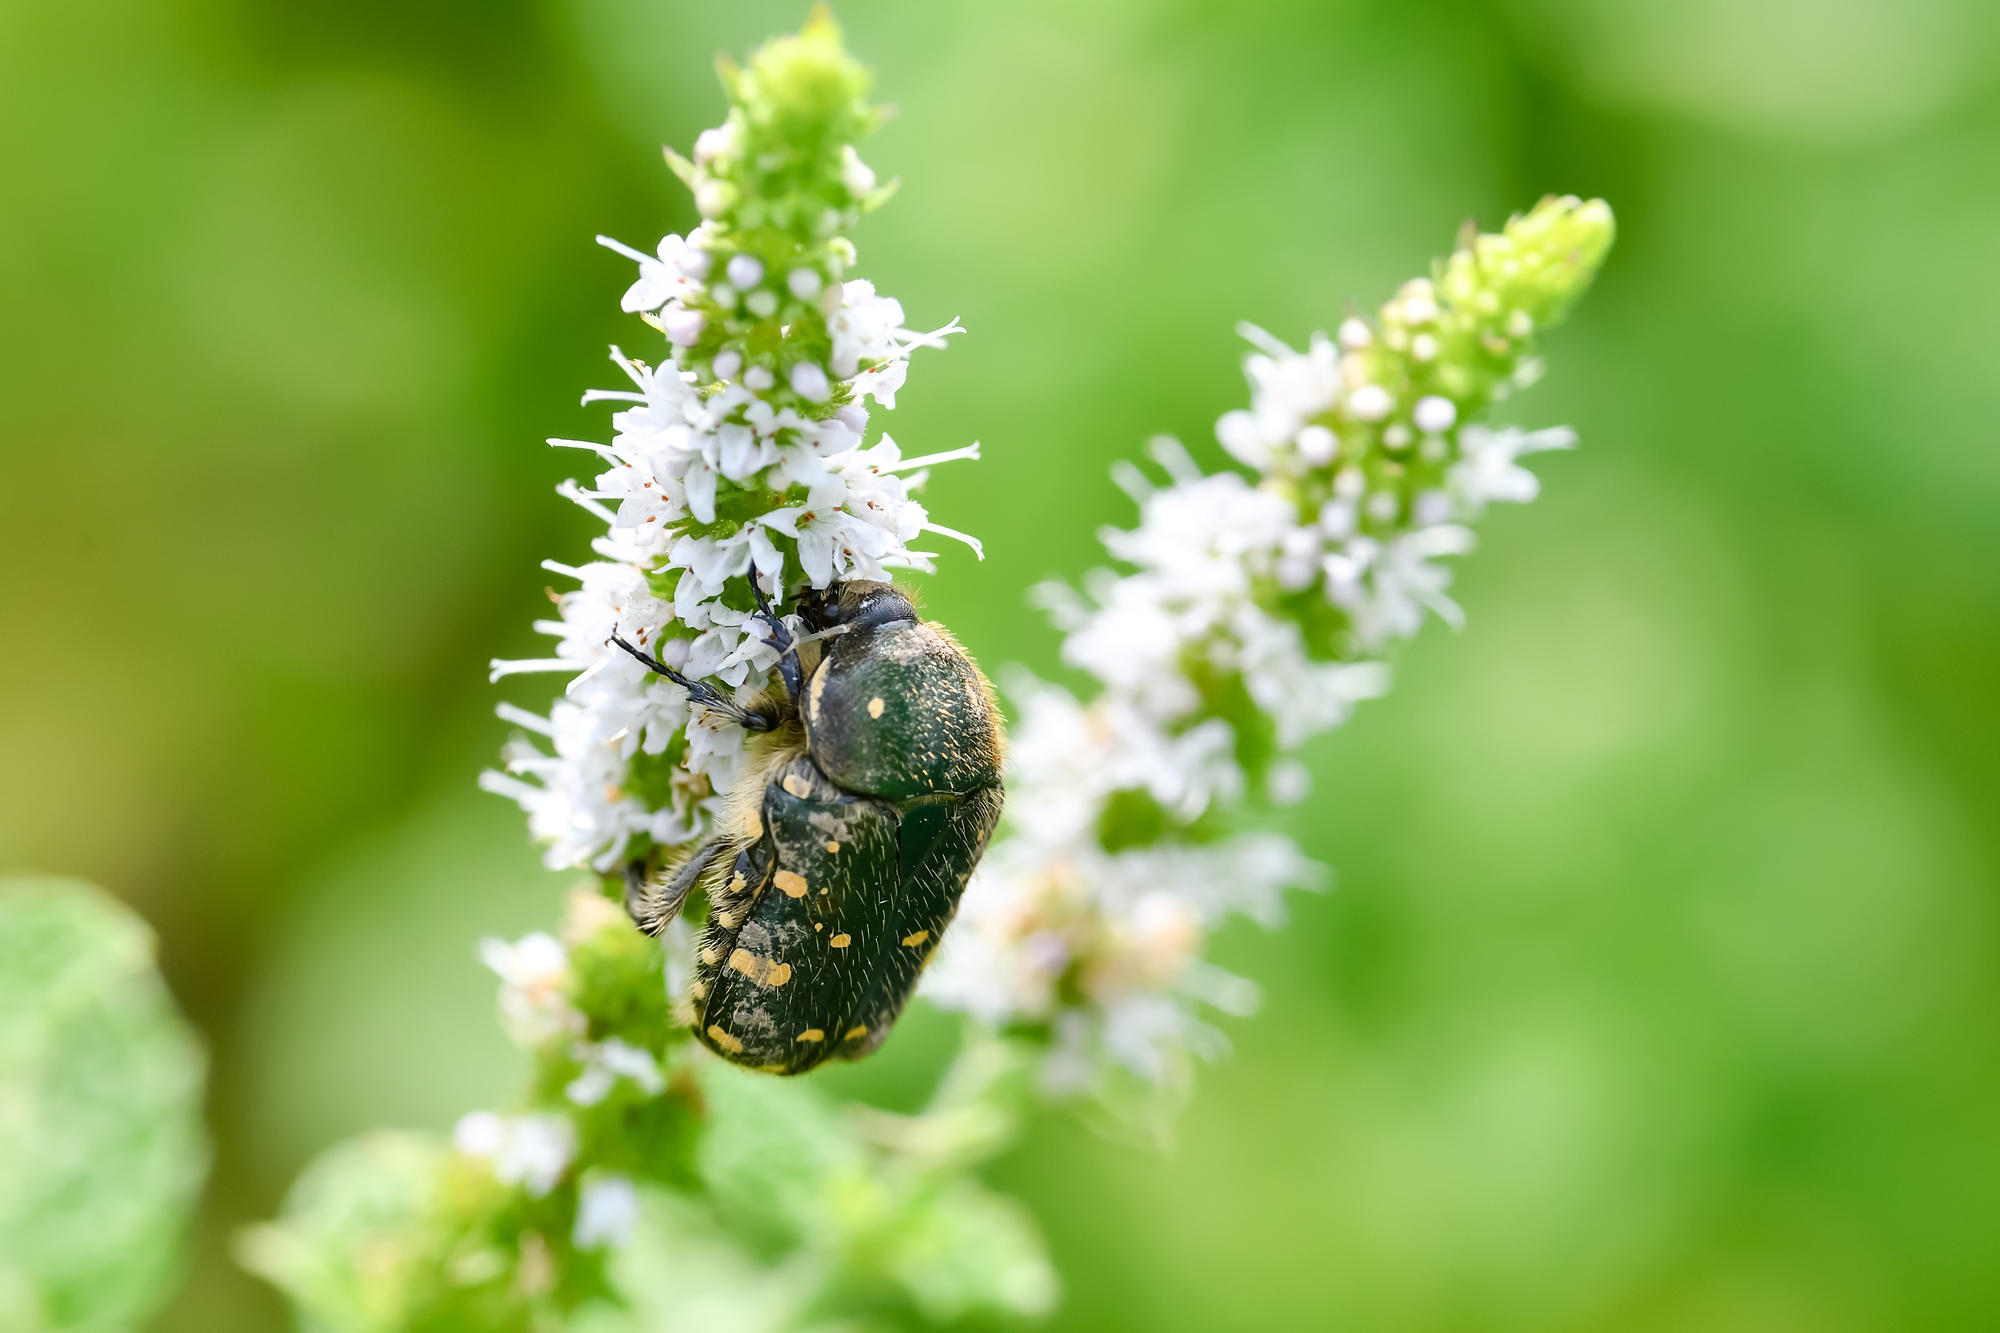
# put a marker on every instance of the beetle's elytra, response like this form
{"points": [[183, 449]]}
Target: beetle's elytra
{"points": [[869, 793]]}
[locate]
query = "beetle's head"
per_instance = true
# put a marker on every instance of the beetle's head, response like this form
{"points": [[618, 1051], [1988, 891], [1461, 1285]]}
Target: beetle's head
{"points": [[855, 603]]}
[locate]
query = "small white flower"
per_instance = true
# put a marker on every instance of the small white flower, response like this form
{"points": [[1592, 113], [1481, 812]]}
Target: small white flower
{"points": [[479, 1134], [534, 984], [607, 1213], [1487, 470], [1431, 507], [672, 276], [746, 271], [532, 1151], [605, 1063]]}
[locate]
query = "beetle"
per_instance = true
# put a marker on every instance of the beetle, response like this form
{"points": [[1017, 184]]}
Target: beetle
{"points": [[869, 790]]}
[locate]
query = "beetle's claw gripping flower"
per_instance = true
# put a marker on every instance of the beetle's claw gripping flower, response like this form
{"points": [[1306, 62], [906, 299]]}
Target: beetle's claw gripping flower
{"points": [[737, 456], [1254, 615]]}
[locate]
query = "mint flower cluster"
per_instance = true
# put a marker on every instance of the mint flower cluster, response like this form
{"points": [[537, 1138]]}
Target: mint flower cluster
{"points": [[737, 456], [639, 1182], [644, 1186], [1255, 613]]}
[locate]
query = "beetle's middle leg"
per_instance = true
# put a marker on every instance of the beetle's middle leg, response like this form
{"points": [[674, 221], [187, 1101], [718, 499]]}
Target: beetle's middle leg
{"points": [[651, 907]]}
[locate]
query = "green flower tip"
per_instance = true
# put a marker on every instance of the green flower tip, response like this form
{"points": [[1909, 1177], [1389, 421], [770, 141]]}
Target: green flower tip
{"points": [[804, 85], [1537, 266], [784, 161]]}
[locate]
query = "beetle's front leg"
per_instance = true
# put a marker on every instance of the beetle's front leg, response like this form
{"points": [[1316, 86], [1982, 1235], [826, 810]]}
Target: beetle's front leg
{"points": [[781, 638]]}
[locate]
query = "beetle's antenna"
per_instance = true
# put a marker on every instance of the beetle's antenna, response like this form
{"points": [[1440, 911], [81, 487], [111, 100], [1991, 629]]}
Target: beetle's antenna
{"points": [[700, 691]]}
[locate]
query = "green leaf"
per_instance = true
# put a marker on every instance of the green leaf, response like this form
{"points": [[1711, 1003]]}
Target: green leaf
{"points": [[101, 1146]]}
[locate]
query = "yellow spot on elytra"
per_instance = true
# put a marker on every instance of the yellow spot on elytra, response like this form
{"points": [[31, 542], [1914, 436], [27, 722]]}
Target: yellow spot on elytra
{"points": [[832, 846], [853, 1032], [753, 824], [810, 1034], [819, 925], [724, 1039], [875, 706], [914, 940], [793, 883], [760, 970], [818, 688], [842, 940], [797, 785]]}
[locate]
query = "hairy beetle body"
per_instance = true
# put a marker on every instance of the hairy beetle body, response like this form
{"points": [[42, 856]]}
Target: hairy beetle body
{"points": [[865, 806]]}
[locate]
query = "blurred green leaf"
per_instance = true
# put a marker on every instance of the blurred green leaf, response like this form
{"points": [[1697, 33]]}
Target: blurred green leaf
{"points": [[101, 1145]]}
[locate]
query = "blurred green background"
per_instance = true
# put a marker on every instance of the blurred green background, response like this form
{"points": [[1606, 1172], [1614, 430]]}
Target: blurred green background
{"points": [[1658, 989]]}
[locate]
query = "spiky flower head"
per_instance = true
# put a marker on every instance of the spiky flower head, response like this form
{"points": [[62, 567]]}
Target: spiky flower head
{"points": [[738, 457]]}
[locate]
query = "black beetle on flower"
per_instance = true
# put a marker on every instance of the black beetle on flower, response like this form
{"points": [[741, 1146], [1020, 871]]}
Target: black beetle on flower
{"points": [[869, 792]]}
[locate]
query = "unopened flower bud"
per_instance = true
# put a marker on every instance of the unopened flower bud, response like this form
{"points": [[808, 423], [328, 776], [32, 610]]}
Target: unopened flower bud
{"points": [[714, 198], [1317, 445], [855, 174], [1434, 413], [683, 327], [1370, 402], [809, 382]]}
